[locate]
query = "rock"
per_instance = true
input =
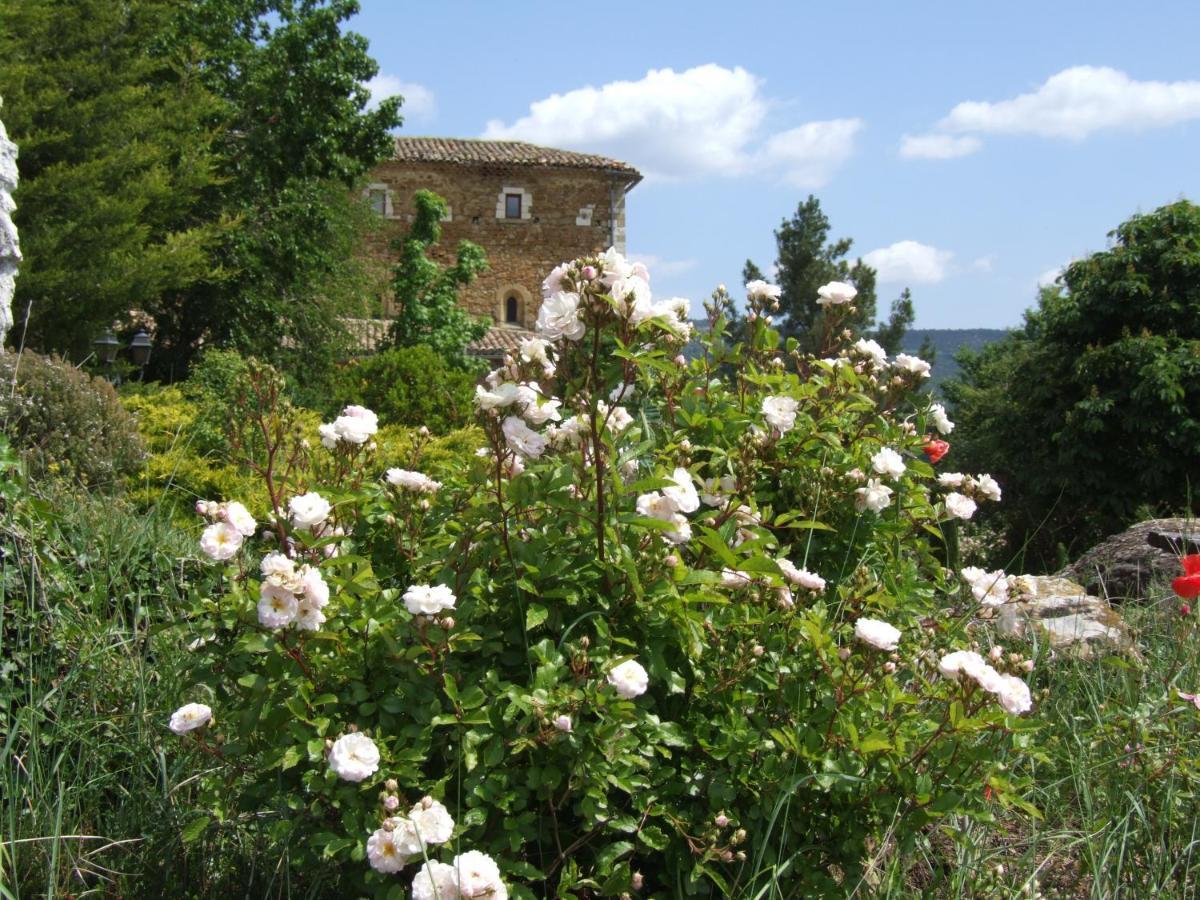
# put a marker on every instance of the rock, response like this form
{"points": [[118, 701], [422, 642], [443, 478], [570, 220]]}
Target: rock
{"points": [[1125, 565], [10, 246], [1063, 613]]}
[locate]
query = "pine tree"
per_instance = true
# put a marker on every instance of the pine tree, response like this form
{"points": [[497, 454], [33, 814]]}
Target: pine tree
{"points": [[806, 260]]}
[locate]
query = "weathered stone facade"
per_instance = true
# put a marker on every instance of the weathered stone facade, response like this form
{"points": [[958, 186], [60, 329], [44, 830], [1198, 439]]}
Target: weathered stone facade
{"points": [[529, 207]]}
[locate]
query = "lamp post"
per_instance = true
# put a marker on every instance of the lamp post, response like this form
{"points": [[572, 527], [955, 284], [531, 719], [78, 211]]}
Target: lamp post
{"points": [[139, 351], [106, 347]]}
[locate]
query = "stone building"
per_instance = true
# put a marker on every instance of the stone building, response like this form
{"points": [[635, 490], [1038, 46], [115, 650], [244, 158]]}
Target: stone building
{"points": [[529, 207]]}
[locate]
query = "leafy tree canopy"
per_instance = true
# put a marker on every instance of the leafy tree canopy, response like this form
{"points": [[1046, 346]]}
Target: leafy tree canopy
{"points": [[1089, 414], [426, 293]]}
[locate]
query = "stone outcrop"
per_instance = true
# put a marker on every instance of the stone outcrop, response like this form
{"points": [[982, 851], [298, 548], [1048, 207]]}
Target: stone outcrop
{"points": [[1061, 612], [10, 246], [1124, 566]]}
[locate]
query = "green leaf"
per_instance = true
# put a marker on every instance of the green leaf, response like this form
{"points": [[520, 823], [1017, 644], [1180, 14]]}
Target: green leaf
{"points": [[653, 837], [535, 616], [191, 832]]}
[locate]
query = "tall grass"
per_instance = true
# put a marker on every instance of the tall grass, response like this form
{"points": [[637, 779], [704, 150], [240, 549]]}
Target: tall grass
{"points": [[1116, 778]]}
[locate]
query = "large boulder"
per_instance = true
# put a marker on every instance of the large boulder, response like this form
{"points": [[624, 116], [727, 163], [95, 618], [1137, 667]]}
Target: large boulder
{"points": [[1062, 613], [1124, 566], [10, 246]]}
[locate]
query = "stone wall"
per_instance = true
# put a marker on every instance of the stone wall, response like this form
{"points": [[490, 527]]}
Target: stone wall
{"points": [[564, 214]]}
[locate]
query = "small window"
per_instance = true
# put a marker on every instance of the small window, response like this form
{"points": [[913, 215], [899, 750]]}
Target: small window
{"points": [[512, 206], [512, 309], [377, 197]]}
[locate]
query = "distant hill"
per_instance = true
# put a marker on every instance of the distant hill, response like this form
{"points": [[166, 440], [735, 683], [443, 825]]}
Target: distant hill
{"points": [[946, 342]]}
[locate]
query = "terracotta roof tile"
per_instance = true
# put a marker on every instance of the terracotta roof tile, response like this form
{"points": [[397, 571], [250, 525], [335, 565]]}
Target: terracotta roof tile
{"points": [[500, 339], [468, 152]]}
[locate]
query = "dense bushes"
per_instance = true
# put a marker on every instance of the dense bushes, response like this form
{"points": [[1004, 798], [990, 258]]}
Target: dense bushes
{"points": [[67, 423], [413, 386], [1089, 414], [680, 630]]}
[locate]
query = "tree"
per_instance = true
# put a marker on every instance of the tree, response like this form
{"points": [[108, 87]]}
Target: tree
{"points": [[192, 162], [1089, 414], [426, 293], [116, 157], [805, 261], [295, 136]]}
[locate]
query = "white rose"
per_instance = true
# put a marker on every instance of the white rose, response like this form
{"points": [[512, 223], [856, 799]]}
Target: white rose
{"points": [[877, 634], [522, 439], [914, 365], [189, 717], [683, 492], [614, 266], [277, 606], [329, 435], [559, 317], [383, 853], [959, 506], [951, 479], [960, 661], [535, 350], [221, 541], [888, 462], [479, 877], [629, 679], [356, 425], [734, 579], [425, 599], [874, 496], [308, 510], [989, 588], [502, 395], [632, 296], [836, 293], [313, 586], [239, 517], [1013, 694], [553, 282], [800, 577], [761, 290], [431, 821], [873, 351], [988, 487], [309, 616], [780, 413], [279, 570], [412, 481], [937, 415], [541, 413], [563, 723], [354, 757], [436, 881], [621, 392]]}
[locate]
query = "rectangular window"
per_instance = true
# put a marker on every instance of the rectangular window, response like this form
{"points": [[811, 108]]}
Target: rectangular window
{"points": [[377, 197], [512, 206]]}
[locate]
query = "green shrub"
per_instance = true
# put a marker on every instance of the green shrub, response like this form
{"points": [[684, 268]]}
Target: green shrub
{"points": [[66, 423], [1091, 410], [409, 386], [621, 679]]}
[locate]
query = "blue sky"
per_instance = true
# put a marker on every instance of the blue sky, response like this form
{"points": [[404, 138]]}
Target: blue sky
{"points": [[1032, 129]]}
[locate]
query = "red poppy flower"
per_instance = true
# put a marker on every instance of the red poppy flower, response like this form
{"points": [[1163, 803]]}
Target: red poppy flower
{"points": [[1187, 585], [935, 450]]}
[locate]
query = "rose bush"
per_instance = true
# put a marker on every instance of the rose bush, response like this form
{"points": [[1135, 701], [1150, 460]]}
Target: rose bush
{"points": [[682, 627]]}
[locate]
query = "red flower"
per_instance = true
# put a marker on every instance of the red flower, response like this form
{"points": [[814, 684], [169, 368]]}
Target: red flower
{"points": [[935, 450], [1187, 585]]}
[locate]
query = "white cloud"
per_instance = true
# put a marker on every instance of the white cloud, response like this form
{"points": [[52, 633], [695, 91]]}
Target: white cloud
{"points": [[418, 104], [707, 120], [656, 265], [807, 157], [983, 263], [909, 262], [1050, 276], [1078, 101], [938, 146]]}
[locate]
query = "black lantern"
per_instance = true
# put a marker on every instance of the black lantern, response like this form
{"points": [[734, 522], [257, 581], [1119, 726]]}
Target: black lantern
{"points": [[139, 348], [107, 346]]}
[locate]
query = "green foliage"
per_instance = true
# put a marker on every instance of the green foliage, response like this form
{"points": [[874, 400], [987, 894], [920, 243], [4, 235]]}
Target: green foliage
{"points": [[1091, 410], [67, 423], [772, 750], [412, 386], [116, 156], [426, 293], [203, 154], [91, 650], [806, 260]]}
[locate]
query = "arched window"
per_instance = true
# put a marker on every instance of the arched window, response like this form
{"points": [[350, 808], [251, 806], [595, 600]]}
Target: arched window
{"points": [[512, 309]]}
